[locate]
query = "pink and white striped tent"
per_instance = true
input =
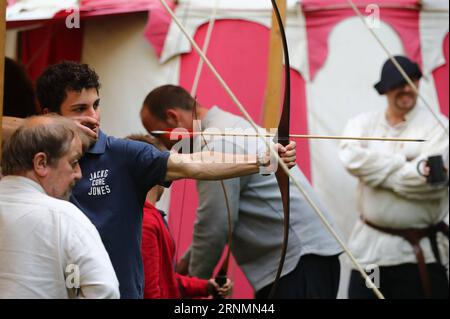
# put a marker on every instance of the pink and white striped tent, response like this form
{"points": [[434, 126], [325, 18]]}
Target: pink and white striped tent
{"points": [[335, 62]]}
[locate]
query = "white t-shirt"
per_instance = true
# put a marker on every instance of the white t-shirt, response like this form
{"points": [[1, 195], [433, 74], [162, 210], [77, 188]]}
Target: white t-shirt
{"points": [[48, 247]]}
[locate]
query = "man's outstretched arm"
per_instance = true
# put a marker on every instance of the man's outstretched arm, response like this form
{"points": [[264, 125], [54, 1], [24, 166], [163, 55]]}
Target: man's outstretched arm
{"points": [[210, 166], [217, 166]]}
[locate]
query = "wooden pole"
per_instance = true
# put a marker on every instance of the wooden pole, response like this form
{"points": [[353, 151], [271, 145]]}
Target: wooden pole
{"points": [[2, 62], [275, 72]]}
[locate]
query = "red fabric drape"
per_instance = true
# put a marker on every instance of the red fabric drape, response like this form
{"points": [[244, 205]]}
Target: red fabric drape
{"points": [[49, 44]]}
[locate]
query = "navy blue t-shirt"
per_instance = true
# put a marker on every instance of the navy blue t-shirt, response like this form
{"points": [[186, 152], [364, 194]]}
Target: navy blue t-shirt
{"points": [[117, 174]]}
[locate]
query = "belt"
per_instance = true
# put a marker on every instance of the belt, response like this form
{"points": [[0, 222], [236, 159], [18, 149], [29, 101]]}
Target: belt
{"points": [[414, 236]]}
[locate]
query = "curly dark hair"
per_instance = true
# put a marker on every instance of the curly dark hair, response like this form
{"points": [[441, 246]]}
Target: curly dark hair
{"points": [[57, 79]]}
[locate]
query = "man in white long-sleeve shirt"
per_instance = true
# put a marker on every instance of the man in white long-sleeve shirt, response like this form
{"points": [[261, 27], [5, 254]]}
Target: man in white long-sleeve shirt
{"points": [[399, 210], [48, 247]]}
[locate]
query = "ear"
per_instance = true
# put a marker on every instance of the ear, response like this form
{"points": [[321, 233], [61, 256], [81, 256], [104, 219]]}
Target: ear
{"points": [[173, 118], [40, 165]]}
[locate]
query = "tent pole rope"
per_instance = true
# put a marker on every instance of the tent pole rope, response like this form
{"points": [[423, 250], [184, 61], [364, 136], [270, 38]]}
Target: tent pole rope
{"points": [[205, 48]]}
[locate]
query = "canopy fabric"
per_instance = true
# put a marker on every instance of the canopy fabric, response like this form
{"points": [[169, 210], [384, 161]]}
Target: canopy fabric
{"points": [[238, 5], [26, 10]]}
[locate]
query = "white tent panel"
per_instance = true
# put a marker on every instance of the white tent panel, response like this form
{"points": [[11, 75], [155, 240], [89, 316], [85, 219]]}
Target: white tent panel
{"points": [[440, 5], [11, 44], [433, 29]]}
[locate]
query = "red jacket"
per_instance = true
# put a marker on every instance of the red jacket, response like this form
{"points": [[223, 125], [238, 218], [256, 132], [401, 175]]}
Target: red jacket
{"points": [[158, 249]]}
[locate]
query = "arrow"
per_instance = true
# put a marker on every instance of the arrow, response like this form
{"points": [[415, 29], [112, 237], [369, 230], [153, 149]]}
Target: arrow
{"points": [[185, 134]]}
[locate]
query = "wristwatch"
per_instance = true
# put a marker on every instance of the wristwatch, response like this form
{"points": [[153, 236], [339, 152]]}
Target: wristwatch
{"points": [[264, 161]]}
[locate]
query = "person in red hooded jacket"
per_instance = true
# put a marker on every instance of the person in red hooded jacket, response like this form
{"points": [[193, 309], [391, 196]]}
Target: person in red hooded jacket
{"points": [[158, 252]]}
